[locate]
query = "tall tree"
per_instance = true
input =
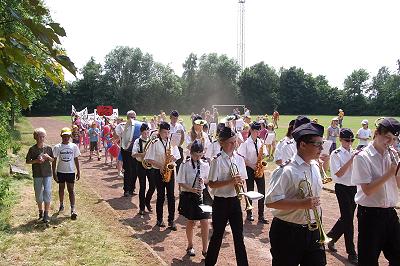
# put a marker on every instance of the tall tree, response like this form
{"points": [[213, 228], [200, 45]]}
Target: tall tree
{"points": [[259, 88], [355, 87]]}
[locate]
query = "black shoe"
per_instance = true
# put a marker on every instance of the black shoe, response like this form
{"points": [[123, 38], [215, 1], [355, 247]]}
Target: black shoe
{"points": [[262, 220], [74, 215], [353, 259], [331, 246], [160, 224], [40, 215], [172, 226], [126, 194], [190, 252], [141, 212], [46, 218], [61, 209], [250, 217], [149, 208]]}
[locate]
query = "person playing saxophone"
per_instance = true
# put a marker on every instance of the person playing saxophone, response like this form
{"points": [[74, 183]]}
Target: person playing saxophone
{"points": [[292, 239], [156, 155], [253, 152]]}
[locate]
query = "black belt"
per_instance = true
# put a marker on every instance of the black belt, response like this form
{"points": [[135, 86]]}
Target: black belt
{"points": [[376, 210], [302, 226]]}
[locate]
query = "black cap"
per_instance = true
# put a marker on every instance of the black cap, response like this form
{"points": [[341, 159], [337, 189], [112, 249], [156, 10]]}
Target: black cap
{"points": [[391, 124], [196, 147], [308, 129], [255, 126], [291, 123], [174, 113], [144, 127], [164, 125], [346, 133], [301, 120], [226, 133]]}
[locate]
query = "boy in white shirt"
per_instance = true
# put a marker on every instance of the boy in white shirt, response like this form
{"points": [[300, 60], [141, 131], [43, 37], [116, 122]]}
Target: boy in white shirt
{"points": [[64, 171], [363, 134]]}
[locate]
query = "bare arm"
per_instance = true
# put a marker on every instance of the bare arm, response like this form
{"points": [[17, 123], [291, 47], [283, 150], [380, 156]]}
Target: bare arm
{"points": [[294, 204], [78, 171], [344, 168]]}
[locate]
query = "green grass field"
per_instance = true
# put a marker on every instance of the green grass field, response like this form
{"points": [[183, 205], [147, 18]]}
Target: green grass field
{"points": [[352, 122]]}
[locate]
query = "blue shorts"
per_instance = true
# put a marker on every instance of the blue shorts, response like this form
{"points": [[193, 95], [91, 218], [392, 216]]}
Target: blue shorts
{"points": [[65, 177], [120, 156]]}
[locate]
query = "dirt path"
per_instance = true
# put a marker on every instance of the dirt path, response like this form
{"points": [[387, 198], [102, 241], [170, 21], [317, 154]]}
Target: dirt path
{"points": [[169, 245]]}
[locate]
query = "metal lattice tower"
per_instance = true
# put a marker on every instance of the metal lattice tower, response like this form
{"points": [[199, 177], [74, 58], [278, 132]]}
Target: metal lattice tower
{"points": [[240, 36]]}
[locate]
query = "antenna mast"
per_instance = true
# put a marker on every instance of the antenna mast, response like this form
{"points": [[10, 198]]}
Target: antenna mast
{"points": [[240, 39]]}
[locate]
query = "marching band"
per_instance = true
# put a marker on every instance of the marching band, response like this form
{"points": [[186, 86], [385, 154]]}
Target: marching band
{"points": [[216, 169]]}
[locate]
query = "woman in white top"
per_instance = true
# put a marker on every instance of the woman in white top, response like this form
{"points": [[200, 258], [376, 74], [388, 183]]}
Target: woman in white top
{"points": [[192, 178], [378, 182], [363, 134], [197, 133]]}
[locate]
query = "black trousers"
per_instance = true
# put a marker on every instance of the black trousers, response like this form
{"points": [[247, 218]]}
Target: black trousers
{"points": [[178, 162], [260, 182], [224, 210], [344, 225], [144, 198], [129, 165], [378, 230], [293, 244], [161, 187]]}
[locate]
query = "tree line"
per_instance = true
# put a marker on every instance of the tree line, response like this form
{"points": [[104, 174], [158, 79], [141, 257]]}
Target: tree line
{"points": [[130, 78]]}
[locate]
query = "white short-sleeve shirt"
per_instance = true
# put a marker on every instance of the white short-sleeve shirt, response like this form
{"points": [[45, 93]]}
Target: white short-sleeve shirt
{"points": [[363, 133], [157, 150], [220, 171], [188, 170], [248, 149], [136, 147], [288, 150], [369, 165], [65, 154], [286, 186], [338, 158], [278, 148], [213, 149]]}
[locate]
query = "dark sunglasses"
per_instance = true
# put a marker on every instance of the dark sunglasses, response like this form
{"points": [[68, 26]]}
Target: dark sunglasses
{"points": [[348, 140], [316, 143]]}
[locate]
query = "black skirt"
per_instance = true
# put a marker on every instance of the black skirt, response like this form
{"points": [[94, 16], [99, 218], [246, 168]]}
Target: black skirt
{"points": [[189, 206]]}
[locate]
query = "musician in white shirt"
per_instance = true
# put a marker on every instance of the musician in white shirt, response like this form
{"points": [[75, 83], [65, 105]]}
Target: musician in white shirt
{"points": [[250, 151], [192, 178], [375, 172]]}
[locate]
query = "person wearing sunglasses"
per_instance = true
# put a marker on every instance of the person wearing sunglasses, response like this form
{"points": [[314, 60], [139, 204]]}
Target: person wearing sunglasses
{"points": [[375, 174], [290, 225], [341, 163]]}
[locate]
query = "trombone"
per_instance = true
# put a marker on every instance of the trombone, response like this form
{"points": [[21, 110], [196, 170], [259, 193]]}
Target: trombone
{"points": [[305, 191], [234, 171]]}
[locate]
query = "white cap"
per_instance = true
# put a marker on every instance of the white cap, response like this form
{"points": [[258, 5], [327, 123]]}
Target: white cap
{"points": [[364, 122]]}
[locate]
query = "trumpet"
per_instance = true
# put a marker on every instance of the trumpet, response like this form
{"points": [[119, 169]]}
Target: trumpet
{"points": [[393, 157], [305, 191], [234, 171]]}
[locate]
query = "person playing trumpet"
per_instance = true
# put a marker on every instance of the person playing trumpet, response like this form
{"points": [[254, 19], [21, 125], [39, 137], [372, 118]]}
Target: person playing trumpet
{"points": [[250, 151], [378, 182], [290, 230], [226, 206]]}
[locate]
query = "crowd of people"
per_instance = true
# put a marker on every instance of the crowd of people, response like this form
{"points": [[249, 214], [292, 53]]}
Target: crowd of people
{"points": [[216, 162]]}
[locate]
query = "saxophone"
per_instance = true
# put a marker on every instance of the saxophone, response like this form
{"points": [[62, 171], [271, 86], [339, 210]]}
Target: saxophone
{"points": [[169, 165], [260, 164]]}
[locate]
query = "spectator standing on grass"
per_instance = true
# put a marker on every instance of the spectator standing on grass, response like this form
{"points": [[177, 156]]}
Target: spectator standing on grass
{"points": [[40, 155], [340, 117], [64, 171], [363, 135], [333, 133]]}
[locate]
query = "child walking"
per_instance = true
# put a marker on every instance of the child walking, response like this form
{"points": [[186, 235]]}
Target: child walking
{"points": [[64, 171], [40, 155]]}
